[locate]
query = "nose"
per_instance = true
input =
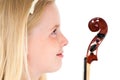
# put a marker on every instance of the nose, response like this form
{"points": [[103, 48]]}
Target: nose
{"points": [[64, 40]]}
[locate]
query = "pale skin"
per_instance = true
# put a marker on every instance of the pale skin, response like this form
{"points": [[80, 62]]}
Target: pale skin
{"points": [[45, 44]]}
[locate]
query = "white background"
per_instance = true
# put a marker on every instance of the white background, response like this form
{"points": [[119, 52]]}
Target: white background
{"points": [[75, 15]]}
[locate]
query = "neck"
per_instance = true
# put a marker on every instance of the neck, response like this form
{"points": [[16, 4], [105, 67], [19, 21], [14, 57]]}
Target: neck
{"points": [[31, 76], [34, 75]]}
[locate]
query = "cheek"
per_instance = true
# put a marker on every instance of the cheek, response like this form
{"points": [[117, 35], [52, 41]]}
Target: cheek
{"points": [[41, 48], [34, 51], [40, 53]]}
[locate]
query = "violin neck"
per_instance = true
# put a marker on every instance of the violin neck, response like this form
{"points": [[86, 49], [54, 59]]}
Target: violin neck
{"points": [[86, 70]]}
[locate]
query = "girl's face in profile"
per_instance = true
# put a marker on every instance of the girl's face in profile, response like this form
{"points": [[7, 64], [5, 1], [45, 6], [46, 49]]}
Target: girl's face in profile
{"points": [[46, 42]]}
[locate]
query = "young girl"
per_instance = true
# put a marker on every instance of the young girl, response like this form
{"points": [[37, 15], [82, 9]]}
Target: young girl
{"points": [[31, 43]]}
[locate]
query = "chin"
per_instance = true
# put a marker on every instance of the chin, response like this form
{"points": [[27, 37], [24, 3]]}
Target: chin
{"points": [[54, 68]]}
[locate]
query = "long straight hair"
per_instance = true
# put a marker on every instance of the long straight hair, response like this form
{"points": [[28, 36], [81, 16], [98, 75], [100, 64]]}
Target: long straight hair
{"points": [[15, 24]]}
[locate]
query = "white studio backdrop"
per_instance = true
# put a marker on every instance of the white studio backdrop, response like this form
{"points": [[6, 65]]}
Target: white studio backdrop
{"points": [[75, 15]]}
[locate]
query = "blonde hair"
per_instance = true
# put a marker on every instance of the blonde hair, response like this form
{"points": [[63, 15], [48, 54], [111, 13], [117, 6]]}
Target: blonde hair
{"points": [[15, 23]]}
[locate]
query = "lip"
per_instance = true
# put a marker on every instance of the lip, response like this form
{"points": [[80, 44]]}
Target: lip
{"points": [[59, 55]]}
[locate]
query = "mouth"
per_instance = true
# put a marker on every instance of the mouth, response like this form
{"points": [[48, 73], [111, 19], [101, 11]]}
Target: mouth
{"points": [[59, 55]]}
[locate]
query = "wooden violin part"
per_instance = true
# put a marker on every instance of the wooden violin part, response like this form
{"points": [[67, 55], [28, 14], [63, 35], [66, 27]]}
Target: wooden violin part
{"points": [[100, 25]]}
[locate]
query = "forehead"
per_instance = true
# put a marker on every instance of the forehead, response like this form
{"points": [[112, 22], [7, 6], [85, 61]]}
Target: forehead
{"points": [[49, 16]]}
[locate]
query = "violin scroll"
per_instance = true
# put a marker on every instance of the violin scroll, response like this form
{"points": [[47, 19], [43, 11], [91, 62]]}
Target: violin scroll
{"points": [[96, 24]]}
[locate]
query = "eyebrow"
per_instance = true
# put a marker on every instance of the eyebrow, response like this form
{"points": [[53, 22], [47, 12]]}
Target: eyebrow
{"points": [[56, 26]]}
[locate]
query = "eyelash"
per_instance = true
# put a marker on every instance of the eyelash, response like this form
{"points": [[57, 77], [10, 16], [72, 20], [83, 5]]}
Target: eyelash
{"points": [[54, 32]]}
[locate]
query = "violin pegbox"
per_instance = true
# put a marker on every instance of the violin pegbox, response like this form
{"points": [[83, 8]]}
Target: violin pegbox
{"points": [[96, 24]]}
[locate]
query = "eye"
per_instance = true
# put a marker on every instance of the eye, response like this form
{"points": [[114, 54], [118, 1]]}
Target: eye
{"points": [[54, 32]]}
